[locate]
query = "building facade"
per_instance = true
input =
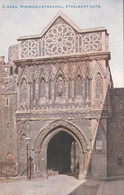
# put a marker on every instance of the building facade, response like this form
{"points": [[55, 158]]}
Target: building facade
{"points": [[57, 90]]}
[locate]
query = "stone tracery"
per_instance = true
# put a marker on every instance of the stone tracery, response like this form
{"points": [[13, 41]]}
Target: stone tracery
{"points": [[29, 48], [92, 42], [60, 39]]}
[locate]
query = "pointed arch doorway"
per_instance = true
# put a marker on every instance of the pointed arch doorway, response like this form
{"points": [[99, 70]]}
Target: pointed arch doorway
{"points": [[60, 147], [63, 155]]}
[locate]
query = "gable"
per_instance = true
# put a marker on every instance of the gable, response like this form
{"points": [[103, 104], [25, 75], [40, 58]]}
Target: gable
{"points": [[61, 37]]}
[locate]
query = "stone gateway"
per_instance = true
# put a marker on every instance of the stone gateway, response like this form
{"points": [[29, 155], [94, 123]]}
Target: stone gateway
{"points": [[56, 92]]}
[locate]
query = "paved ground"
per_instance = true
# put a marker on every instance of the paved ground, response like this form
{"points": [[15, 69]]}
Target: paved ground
{"points": [[60, 185], [111, 188], [55, 185]]}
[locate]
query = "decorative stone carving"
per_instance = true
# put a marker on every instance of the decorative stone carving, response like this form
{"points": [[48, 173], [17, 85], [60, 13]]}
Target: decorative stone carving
{"points": [[60, 86], [87, 88], [30, 48], [99, 86], [23, 90], [60, 40], [98, 68], [92, 42], [13, 53], [78, 86], [42, 88]]}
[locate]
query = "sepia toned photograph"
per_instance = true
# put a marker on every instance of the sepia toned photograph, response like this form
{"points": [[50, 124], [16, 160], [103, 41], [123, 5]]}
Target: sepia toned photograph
{"points": [[61, 97]]}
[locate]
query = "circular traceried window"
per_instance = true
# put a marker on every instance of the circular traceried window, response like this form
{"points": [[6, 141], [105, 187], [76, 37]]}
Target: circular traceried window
{"points": [[60, 40]]}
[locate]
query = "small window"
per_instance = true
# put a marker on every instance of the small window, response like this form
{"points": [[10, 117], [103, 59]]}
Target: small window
{"points": [[7, 125], [11, 70], [6, 101], [119, 161]]}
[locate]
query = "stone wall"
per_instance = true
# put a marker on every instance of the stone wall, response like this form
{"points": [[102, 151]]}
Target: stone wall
{"points": [[116, 133], [8, 138]]}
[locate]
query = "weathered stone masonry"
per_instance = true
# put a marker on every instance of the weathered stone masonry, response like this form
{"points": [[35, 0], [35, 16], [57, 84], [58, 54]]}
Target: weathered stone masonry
{"points": [[57, 89]]}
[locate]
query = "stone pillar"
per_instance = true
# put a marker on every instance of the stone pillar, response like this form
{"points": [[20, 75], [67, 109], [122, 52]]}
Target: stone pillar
{"points": [[29, 95], [73, 92], [43, 163], [66, 90], [47, 91], [36, 164], [82, 167]]}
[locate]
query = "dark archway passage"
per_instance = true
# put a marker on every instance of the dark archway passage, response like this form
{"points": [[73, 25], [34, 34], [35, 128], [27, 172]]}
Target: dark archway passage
{"points": [[44, 149], [59, 153]]}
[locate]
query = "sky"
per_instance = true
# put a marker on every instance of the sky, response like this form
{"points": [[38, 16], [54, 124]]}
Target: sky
{"points": [[16, 22]]}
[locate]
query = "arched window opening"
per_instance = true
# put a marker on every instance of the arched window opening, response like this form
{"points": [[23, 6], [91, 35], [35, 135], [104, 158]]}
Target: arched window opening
{"points": [[60, 86], [99, 142], [87, 88], [42, 91], [78, 86], [34, 90], [22, 138], [23, 90], [11, 70], [70, 88], [99, 86], [9, 158], [50, 89]]}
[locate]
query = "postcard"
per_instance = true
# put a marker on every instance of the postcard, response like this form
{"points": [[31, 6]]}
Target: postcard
{"points": [[61, 97]]}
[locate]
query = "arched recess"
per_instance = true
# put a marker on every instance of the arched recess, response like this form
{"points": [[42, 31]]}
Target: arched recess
{"points": [[23, 93], [42, 88], [78, 84], [23, 90], [9, 158], [34, 89], [99, 86], [43, 139]]}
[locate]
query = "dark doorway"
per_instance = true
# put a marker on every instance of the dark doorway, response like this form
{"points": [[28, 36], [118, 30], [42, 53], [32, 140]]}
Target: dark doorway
{"points": [[59, 153]]}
